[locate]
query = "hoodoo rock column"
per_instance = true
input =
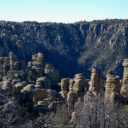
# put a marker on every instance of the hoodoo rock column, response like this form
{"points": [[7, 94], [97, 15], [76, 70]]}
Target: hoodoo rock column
{"points": [[124, 88]]}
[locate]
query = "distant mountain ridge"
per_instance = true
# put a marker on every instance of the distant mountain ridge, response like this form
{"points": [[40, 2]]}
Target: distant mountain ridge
{"points": [[71, 48]]}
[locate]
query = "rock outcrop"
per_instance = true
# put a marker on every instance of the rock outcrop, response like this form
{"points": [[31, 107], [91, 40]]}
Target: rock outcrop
{"points": [[29, 88], [51, 73], [73, 117], [37, 63], [7, 85], [72, 89], [6, 66], [124, 88], [43, 83], [44, 95], [71, 98], [96, 83], [1, 67], [14, 64], [41, 92], [112, 87], [79, 83], [19, 86], [64, 87]]}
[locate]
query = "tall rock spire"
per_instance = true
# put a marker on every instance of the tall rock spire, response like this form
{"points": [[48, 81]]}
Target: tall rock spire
{"points": [[112, 86], [124, 88], [96, 83]]}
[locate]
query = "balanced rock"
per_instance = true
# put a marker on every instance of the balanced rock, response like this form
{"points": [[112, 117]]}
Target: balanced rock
{"points": [[79, 83], [43, 83], [64, 87]]}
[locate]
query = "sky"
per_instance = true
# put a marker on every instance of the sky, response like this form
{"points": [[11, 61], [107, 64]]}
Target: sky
{"points": [[66, 11]]}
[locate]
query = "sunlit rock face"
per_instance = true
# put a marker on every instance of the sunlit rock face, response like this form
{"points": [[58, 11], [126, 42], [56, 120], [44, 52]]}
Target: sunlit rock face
{"points": [[37, 63], [112, 87], [96, 83], [124, 88], [43, 82]]}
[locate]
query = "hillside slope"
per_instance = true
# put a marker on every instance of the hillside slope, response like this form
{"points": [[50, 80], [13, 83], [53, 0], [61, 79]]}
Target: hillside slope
{"points": [[71, 48]]}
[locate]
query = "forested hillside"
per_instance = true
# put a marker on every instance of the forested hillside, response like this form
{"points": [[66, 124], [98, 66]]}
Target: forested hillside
{"points": [[71, 48]]}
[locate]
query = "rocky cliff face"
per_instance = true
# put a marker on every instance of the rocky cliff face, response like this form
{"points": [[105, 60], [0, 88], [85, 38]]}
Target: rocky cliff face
{"points": [[71, 48]]}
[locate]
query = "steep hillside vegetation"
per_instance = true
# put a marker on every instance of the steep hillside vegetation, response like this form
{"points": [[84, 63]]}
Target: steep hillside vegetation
{"points": [[71, 48]]}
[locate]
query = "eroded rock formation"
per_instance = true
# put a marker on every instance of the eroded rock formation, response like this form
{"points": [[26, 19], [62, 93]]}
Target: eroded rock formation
{"points": [[43, 83], [72, 89], [37, 63], [64, 87], [44, 95], [96, 83], [112, 87], [51, 73], [42, 92], [14, 64], [124, 88]]}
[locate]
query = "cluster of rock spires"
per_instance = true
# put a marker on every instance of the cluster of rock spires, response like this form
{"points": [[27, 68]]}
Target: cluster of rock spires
{"points": [[40, 92], [46, 91], [72, 89]]}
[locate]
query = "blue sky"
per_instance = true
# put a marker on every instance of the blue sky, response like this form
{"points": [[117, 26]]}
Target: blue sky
{"points": [[67, 11]]}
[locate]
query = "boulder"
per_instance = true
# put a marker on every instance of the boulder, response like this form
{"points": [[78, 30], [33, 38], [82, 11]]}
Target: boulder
{"points": [[7, 85], [29, 88], [15, 81], [43, 83], [79, 83], [38, 57], [43, 95], [19, 86], [42, 102]]}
